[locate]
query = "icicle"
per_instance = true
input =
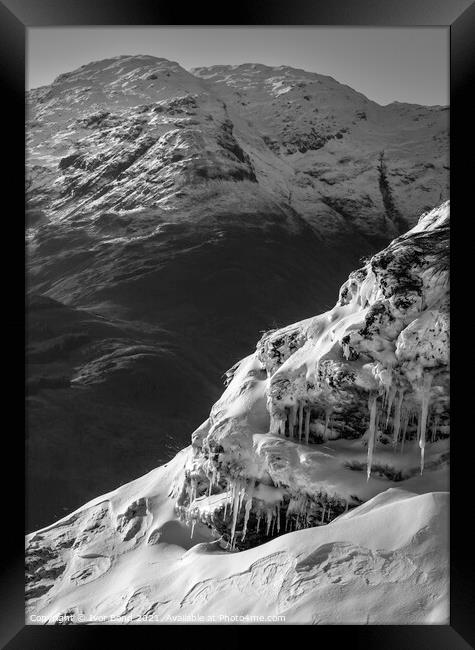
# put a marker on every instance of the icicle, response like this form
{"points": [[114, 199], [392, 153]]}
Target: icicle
{"points": [[212, 480], [304, 509], [384, 397], [288, 513], [192, 528], [372, 404], [247, 511], [300, 421], [236, 502], [277, 516], [292, 420], [192, 490], [423, 418], [242, 493], [258, 521], [422, 458], [268, 520], [227, 502], [307, 423], [404, 433], [397, 417], [391, 396], [323, 514]]}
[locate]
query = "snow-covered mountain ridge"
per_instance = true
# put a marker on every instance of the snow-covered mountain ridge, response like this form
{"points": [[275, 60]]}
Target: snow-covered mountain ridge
{"points": [[141, 132], [324, 463]]}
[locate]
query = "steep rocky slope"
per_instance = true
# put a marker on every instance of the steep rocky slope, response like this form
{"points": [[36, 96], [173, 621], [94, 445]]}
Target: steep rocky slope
{"points": [[137, 132], [324, 463], [166, 229], [342, 161]]}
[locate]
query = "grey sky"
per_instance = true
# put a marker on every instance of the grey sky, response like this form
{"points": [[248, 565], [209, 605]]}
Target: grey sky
{"points": [[407, 64]]}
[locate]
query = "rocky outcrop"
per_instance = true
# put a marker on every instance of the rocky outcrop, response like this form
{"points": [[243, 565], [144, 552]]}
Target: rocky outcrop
{"points": [[337, 408]]}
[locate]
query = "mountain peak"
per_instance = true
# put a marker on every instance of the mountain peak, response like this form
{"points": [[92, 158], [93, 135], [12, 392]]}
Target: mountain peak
{"points": [[119, 67]]}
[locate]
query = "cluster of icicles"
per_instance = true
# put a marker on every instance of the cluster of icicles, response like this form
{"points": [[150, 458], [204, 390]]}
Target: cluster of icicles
{"points": [[394, 396], [392, 406], [300, 511], [297, 419], [240, 492], [297, 422]]}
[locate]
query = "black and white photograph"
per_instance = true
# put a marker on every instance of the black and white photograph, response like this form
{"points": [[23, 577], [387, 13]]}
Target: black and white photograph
{"points": [[238, 325]]}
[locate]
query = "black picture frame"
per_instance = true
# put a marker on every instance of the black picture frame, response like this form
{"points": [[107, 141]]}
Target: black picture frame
{"points": [[458, 16]]}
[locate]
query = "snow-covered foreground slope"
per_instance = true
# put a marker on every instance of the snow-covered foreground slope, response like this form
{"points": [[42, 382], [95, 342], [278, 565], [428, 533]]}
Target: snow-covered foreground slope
{"points": [[126, 558], [315, 491]]}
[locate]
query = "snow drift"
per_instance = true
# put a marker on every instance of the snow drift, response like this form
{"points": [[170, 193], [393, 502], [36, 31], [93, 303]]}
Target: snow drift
{"points": [[126, 558]]}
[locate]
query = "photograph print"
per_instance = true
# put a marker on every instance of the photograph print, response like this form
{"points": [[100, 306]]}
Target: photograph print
{"points": [[237, 325]]}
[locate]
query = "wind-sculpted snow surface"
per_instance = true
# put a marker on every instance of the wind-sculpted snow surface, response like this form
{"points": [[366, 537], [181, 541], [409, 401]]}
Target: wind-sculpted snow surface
{"points": [[316, 491], [333, 410], [125, 558]]}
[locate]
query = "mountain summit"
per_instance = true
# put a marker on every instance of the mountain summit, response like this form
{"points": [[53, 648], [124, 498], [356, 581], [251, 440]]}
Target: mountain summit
{"points": [[140, 132]]}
